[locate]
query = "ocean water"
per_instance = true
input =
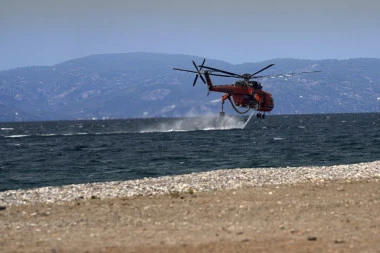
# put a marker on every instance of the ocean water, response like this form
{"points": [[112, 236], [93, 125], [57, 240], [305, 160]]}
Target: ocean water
{"points": [[36, 154]]}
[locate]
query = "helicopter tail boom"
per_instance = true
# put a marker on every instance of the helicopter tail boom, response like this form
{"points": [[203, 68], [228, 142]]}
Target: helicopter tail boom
{"points": [[210, 86]]}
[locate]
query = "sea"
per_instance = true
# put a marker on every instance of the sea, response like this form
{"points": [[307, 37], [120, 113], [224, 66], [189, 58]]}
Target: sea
{"points": [[55, 153]]}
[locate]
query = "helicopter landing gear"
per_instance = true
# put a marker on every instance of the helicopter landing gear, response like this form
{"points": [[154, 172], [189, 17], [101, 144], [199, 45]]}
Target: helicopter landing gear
{"points": [[260, 115]]}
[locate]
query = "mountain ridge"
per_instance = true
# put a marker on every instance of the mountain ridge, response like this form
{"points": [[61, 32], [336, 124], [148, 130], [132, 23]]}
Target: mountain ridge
{"points": [[138, 85]]}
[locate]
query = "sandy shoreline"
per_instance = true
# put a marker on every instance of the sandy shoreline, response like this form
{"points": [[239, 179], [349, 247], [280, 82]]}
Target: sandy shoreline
{"points": [[194, 182], [311, 209]]}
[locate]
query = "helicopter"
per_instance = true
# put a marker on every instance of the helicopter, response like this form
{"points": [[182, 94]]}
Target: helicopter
{"points": [[245, 92]]}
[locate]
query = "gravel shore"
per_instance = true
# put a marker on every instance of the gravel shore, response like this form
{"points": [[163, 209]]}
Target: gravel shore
{"points": [[191, 183], [308, 209]]}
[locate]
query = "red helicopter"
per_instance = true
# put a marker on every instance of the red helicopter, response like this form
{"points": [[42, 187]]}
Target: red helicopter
{"points": [[245, 93]]}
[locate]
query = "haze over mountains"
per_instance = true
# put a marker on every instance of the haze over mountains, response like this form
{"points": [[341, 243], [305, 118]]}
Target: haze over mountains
{"points": [[138, 85]]}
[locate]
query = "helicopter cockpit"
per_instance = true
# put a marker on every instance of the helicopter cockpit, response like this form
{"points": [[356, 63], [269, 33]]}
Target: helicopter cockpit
{"points": [[255, 85]]}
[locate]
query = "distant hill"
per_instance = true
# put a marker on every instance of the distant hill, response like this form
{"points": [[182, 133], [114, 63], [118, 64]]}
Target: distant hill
{"points": [[136, 85]]}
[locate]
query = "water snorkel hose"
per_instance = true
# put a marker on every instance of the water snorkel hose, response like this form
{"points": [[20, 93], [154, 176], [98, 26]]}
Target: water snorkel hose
{"points": [[236, 110]]}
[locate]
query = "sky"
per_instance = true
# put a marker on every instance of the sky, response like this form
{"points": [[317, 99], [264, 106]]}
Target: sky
{"points": [[47, 32]]}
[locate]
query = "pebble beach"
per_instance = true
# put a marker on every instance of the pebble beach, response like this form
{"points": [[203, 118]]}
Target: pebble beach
{"points": [[292, 209], [194, 182]]}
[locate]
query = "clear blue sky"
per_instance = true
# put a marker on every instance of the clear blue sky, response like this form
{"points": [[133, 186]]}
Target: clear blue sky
{"points": [[46, 32]]}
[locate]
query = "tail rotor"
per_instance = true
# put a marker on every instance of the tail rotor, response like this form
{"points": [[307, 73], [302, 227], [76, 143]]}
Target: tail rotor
{"points": [[198, 72]]}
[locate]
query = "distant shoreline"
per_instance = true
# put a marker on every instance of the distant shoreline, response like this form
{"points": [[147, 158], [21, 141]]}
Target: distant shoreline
{"points": [[216, 115]]}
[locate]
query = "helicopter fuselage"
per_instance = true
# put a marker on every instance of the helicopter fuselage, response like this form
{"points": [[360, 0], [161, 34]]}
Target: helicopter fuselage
{"points": [[246, 96]]}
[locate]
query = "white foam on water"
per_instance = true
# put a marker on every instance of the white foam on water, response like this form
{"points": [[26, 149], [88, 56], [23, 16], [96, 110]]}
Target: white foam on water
{"points": [[226, 122], [17, 136], [47, 135]]}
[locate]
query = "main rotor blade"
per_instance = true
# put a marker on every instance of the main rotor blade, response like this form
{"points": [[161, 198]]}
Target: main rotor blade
{"points": [[191, 71], [222, 71], [287, 74], [270, 65], [211, 74]]}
